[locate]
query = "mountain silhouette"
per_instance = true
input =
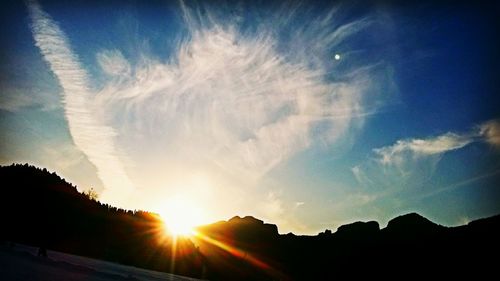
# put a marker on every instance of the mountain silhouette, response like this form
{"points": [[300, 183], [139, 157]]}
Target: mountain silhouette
{"points": [[411, 225], [358, 230], [41, 209]]}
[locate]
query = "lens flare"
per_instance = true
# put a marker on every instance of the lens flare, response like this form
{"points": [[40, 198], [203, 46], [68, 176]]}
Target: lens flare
{"points": [[180, 216]]}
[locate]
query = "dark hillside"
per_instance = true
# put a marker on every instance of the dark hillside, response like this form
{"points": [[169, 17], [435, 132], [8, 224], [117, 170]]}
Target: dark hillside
{"points": [[41, 209]]}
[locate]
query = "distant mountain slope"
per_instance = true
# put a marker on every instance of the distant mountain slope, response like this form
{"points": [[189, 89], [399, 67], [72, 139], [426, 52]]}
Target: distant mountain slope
{"points": [[410, 243], [42, 209]]}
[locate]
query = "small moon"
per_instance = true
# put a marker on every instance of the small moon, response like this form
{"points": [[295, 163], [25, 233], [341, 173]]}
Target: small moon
{"points": [[337, 57]]}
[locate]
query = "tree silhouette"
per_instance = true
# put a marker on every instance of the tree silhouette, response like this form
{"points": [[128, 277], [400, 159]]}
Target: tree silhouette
{"points": [[46, 211], [91, 194], [41, 209]]}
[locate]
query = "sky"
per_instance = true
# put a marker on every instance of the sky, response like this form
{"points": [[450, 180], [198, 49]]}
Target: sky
{"points": [[305, 115]]}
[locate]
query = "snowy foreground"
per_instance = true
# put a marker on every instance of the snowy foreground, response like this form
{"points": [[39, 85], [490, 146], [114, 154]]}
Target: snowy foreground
{"points": [[21, 263]]}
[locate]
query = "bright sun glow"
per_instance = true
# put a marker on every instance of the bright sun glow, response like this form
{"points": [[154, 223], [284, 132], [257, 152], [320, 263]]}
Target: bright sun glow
{"points": [[180, 216]]}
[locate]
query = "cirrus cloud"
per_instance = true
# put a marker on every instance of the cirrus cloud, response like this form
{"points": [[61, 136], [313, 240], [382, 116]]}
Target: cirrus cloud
{"points": [[413, 161], [235, 100], [490, 131], [113, 63], [227, 101], [90, 136], [395, 154]]}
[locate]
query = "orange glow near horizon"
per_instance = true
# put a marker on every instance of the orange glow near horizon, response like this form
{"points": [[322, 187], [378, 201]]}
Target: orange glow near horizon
{"points": [[236, 252], [177, 242]]}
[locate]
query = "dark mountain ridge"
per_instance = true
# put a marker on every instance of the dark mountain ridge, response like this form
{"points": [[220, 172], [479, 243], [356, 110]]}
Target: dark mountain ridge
{"points": [[42, 209]]}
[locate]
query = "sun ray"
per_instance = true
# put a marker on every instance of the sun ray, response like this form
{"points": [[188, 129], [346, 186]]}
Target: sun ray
{"points": [[239, 253], [181, 216]]}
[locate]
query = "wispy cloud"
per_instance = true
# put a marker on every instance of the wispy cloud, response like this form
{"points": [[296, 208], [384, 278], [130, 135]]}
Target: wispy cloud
{"points": [[406, 149], [15, 99], [229, 101], [92, 137], [360, 175], [409, 163], [273, 206], [113, 63], [395, 154], [490, 131], [299, 203], [239, 99], [462, 183]]}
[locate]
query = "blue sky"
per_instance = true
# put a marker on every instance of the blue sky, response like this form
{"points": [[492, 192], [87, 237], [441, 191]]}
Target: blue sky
{"points": [[240, 108]]}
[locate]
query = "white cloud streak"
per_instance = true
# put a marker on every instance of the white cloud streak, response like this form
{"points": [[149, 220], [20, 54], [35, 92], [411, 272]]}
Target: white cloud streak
{"points": [[411, 162], [399, 152], [400, 175], [227, 102], [113, 63], [234, 100], [396, 153], [89, 135]]}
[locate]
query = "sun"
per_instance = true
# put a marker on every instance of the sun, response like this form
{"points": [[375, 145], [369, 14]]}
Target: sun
{"points": [[181, 216]]}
